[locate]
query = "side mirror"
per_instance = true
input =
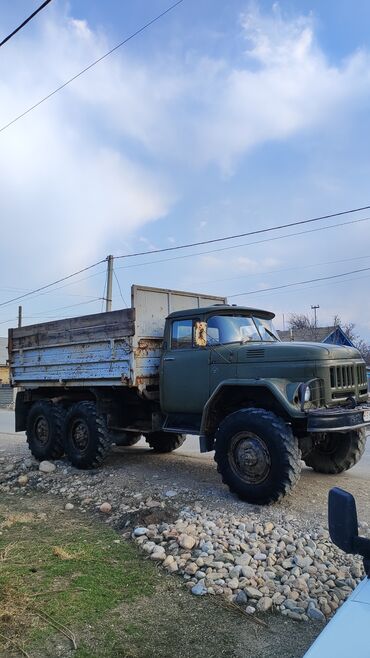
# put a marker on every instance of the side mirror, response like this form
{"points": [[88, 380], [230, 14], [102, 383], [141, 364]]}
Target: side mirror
{"points": [[200, 334], [343, 525]]}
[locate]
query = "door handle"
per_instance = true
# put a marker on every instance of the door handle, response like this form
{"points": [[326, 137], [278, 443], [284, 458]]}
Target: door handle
{"points": [[169, 358]]}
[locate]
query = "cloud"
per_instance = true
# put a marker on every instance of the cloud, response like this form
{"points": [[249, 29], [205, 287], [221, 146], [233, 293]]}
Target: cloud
{"points": [[68, 194]]}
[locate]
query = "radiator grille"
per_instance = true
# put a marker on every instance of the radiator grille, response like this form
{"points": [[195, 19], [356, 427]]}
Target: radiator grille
{"points": [[348, 380]]}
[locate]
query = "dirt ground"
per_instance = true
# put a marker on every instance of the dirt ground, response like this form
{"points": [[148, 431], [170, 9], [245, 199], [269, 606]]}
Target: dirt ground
{"points": [[155, 618]]}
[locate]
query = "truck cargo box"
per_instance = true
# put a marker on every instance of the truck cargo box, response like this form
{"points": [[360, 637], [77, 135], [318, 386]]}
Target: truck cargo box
{"points": [[119, 348]]}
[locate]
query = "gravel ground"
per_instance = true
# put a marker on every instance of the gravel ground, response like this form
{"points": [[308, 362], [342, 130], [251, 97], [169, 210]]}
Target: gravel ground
{"points": [[174, 506]]}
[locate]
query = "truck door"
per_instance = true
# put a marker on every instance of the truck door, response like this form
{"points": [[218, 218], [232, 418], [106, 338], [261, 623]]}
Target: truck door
{"points": [[184, 371]]}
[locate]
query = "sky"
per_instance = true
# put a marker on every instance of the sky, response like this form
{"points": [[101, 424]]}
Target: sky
{"points": [[221, 118]]}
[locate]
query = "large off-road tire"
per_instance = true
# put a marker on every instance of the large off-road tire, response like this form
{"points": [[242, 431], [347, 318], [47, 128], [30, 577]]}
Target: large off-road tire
{"points": [[257, 455], [165, 441], [338, 452], [86, 437], [45, 430], [124, 439]]}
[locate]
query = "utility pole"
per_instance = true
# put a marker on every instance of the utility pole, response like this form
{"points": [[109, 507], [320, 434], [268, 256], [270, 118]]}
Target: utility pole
{"points": [[19, 316], [108, 299], [314, 308]]}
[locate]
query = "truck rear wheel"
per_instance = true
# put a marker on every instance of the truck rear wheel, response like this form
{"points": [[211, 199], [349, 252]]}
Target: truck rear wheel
{"points": [[45, 430], [257, 455], [165, 441], [87, 440], [338, 452]]}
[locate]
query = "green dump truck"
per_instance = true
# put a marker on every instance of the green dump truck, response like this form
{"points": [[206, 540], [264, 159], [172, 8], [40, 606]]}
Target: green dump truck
{"points": [[179, 363]]}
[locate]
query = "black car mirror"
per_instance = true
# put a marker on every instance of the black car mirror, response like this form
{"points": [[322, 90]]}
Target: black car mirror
{"points": [[343, 525]]}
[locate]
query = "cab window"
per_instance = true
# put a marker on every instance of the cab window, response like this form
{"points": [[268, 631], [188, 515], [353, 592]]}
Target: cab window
{"points": [[182, 334]]}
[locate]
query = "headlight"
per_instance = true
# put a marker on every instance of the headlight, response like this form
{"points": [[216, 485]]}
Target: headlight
{"points": [[304, 393]]}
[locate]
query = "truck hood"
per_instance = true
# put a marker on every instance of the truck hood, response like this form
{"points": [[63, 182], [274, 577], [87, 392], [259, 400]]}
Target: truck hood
{"points": [[294, 351]]}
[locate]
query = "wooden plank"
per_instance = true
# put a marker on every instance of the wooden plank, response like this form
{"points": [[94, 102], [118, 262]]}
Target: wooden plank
{"points": [[115, 324]]}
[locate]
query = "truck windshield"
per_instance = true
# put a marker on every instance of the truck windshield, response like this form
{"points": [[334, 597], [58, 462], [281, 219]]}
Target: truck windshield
{"points": [[223, 329]]}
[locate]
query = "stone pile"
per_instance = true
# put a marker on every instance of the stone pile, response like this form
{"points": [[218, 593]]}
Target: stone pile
{"points": [[260, 566]]}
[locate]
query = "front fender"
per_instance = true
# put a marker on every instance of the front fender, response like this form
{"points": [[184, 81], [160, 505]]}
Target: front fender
{"points": [[275, 388]]}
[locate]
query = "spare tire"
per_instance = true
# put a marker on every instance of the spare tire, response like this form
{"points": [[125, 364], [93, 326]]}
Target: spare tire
{"points": [[165, 441]]}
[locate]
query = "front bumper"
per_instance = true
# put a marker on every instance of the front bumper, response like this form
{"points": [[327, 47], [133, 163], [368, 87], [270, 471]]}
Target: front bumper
{"points": [[338, 419]]}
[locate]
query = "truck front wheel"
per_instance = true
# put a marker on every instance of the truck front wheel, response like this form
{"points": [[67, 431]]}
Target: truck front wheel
{"points": [[165, 441], [86, 437], [257, 455], [45, 430], [337, 452]]}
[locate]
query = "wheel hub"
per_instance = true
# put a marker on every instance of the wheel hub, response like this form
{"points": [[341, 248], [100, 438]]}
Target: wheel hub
{"points": [[80, 435], [42, 430], [249, 457]]}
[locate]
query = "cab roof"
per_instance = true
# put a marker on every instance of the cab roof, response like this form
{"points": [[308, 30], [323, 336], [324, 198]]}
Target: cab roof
{"points": [[221, 309]]}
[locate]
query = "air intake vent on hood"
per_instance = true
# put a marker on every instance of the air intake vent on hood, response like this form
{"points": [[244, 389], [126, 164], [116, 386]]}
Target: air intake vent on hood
{"points": [[255, 354]]}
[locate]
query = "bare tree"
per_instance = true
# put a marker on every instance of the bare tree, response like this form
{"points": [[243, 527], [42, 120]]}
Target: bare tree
{"points": [[299, 321], [349, 329]]}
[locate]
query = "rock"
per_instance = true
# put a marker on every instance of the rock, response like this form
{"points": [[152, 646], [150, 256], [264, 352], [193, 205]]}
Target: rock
{"points": [[314, 613], [253, 593], [243, 560], [68, 507], [139, 532], [260, 556], [172, 567], [9, 468], [250, 610], [47, 467], [241, 598], [268, 527], [248, 572], [303, 562], [158, 553], [199, 589], [170, 493], [191, 568], [264, 604], [22, 480], [106, 508], [186, 541]]}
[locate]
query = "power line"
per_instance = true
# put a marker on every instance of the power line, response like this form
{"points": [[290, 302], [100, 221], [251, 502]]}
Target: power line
{"points": [[299, 283], [243, 235], [286, 269], [62, 308], [90, 66], [119, 288], [64, 278], [24, 22], [245, 244]]}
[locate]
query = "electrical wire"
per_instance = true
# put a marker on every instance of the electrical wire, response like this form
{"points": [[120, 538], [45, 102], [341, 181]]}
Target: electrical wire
{"points": [[90, 66], [27, 20], [119, 288], [62, 308], [287, 269], [245, 244], [299, 283], [48, 285], [244, 235]]}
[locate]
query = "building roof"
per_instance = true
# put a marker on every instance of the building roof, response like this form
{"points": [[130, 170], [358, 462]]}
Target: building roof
{"points": [[334, 334], [3, 351]]}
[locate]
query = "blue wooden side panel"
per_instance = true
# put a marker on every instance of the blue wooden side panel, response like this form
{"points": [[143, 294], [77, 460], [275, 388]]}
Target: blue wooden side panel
{"points": [[106, 360]]}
